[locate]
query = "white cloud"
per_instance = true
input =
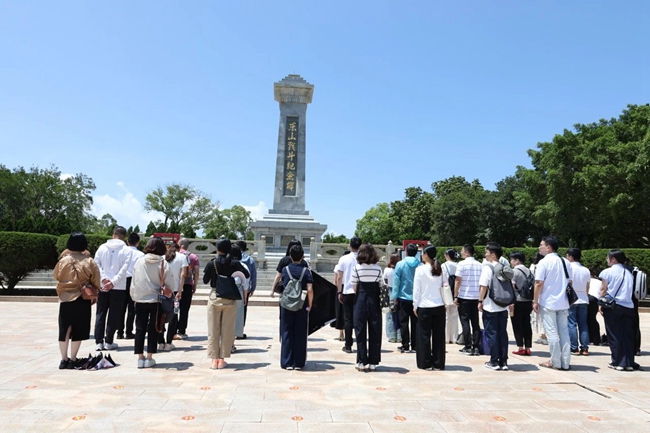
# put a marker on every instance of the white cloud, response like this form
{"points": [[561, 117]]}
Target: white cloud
{"points": [[258, 211], [65, 176], [126, 209]]}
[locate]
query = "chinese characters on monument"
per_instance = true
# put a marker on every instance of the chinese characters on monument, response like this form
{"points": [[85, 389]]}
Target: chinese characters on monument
{"points": [[291, 156]]}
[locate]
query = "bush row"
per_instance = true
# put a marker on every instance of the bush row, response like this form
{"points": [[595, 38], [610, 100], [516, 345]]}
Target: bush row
{"points": [[94, 241], [22, 253]]}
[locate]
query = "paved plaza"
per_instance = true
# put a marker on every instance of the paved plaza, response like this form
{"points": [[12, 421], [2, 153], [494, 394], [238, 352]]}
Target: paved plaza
{"points": [[254, 394]]}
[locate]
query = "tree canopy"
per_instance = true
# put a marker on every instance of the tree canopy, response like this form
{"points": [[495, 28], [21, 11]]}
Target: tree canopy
{"points": [[183, 207]]}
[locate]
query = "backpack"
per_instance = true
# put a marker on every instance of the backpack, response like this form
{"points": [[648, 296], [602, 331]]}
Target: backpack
{"points": [[640, 286], [451, 279], [527, 290], [292, 297], [500, 289]]}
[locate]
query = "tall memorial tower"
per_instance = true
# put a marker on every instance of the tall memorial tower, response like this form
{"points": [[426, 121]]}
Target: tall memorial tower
{"points": [[288, 218]]}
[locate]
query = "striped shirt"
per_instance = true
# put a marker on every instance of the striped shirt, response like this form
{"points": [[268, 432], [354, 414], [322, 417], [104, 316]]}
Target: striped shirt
{"points": [[469, 271], [366, 273]]}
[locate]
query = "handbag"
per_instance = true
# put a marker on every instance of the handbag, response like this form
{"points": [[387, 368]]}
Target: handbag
{"points": [[445, 293], [609, 301], [166, 301], [88, 291], [225, 287], [384, 297], [570, 291]]}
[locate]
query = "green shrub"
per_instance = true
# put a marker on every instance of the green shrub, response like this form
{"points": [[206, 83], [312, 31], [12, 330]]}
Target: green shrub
{"points": [[22, 253], [94, 241]]}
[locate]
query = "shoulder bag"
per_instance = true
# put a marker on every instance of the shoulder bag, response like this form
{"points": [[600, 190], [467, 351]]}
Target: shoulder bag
{"points": [[571, 294], [445, 293], [88, 291], [609, 301], [225, 287]]}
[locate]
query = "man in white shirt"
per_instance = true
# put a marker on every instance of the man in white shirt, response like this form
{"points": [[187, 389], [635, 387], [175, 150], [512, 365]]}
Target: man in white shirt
{"points": [[552, 275], [129, 308], [113, 259], [579, 312], [466, 292], [495, 317], [346, 294]]}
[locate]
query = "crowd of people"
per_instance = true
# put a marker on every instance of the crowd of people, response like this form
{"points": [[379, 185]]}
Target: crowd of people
{"points": [[428, 300]]}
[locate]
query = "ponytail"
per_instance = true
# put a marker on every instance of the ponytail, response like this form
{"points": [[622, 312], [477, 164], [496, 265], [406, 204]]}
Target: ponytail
{"points": [[436, 269]]}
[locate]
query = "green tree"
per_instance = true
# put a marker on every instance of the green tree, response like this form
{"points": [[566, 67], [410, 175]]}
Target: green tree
{"points": [[151, 229], [331, 238], [136, 229], [412, 216], [233, 223], [44, 201], [376, 226], [181, 206]]}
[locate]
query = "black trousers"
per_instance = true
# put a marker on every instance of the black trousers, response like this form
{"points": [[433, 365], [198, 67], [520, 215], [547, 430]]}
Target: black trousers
{"points": [[637, 326], [592, 321], [348, 318], [496, 330], [129, 311], [521, 324], [185, 304], [430, 351], [110, 313], [367, 326], [619, 324], [145, 323], [468, 314], [171, 330], [406, 315], [294, 328]]}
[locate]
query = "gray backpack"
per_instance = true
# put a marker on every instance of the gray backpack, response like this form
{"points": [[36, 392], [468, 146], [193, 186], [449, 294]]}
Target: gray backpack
{"points": [[500, 289], [292, 297]]}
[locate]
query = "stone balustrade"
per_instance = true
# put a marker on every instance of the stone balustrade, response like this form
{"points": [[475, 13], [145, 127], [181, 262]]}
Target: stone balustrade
{"points": [[323, 256]]}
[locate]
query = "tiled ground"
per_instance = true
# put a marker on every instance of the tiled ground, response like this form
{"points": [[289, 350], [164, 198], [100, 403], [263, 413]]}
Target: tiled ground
{"points": [[254, 395]]}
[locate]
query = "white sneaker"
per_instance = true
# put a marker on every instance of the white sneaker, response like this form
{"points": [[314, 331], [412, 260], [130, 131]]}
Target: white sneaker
{"points": [[373, 367], [169, 347], [110, 346], [359, 367], [140, 363], [99, 347], [183, 336], [161, 347], [148, 363]]}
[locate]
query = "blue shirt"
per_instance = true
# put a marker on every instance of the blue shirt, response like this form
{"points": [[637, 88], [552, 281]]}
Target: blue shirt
{"points": [[403, 279], [295, 270]]}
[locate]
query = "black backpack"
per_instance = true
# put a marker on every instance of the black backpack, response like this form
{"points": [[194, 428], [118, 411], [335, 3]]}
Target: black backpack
{"points": [[527, 290], [451, 279]]}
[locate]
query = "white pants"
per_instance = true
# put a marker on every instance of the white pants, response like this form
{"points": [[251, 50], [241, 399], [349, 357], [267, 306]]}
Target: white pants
{"points": [[451, 333]]}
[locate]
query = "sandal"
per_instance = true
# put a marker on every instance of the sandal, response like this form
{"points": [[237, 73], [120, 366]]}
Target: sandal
{"points": [[547, 364]]}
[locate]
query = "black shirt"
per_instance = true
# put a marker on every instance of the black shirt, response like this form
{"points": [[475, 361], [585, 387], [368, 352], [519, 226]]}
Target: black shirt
{"points": [[225, 267], [286, 261]]}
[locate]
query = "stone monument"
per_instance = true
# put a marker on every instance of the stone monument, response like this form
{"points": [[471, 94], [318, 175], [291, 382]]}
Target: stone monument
{"points": [[288, 218]]}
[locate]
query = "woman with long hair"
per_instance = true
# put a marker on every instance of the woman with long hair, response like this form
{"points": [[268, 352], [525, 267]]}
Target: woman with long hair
{"points": [[449, 270], [150, 274], [429, 307], [74, 270], [367, 281], [178, 266], [222, 313], [392, 322]]}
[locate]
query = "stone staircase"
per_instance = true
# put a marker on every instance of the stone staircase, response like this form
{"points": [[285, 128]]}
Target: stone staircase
{"points": [[43, 283]]}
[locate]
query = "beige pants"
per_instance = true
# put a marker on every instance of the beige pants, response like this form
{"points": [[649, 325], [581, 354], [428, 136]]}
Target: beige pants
{"points": [[221, 327]]}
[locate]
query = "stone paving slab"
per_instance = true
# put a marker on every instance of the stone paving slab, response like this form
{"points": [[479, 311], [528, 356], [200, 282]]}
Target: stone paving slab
{"points": [[181, 394]]}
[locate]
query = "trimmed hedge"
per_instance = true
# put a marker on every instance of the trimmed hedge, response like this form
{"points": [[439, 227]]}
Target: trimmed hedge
{"points": [[22, 253], [94, 241]]}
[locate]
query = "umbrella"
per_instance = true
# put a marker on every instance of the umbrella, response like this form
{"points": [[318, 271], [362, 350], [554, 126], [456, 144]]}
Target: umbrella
{"points": [[323, 309]]}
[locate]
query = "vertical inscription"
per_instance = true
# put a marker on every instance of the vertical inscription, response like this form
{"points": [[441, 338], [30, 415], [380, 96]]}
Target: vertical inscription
{"points": [[291, 156]]}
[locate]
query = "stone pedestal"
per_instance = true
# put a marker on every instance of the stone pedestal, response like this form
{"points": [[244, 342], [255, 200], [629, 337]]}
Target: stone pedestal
{"points": [[288, 218]]}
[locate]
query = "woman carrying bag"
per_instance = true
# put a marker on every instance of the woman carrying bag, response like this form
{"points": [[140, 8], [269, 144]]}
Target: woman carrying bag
{"points": [[151, 274], [78, 282]]}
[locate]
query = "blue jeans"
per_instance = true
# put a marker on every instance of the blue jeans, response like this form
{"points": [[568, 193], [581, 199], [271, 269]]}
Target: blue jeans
{"points": [[578, 315], [496, 330], [556, 325]]}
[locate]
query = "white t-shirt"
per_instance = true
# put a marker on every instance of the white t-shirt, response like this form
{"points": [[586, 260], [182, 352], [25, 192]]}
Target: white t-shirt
{"points": [[426, 288], [484, 280], [389, 273], [175, 266], [366, 273], [619, 283], [580, 277], [448, 268], [469, 270], [346, 264], [135, 255], [551, 272]]}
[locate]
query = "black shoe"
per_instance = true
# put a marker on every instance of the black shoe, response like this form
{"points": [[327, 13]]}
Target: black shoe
{"points": [[475, 352], [492, 366], [243, 337], [233, 350], [63, 365], [129, 336], [110, 360], [120, 336], [465, 351], [347, 349], [70, 364], [402, 350]]}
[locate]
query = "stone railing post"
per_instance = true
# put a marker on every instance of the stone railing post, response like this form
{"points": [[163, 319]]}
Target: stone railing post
{"points": [[390, 249], [313, 252], [261, 249]]}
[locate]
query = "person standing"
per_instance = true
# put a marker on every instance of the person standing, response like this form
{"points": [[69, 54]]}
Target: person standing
{"points": [[178, 267], [392, 321], [619, 321], [402, 297], [495, 317], [367, 281], [579, 312], [252, 281], [74, 270], [150, 273], [523, 306], [346, 294], [551, 301], [113, 259], [129, 308], [466, 292], [189, 288], [449, 273], [430, 311], [294, 324]]}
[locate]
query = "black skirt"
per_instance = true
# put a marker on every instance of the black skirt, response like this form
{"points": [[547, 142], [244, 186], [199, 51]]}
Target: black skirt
{"points": [[76, 314]]}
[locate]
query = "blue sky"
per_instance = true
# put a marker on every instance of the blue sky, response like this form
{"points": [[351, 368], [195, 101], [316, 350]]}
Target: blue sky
{"points": [[140, 94]]}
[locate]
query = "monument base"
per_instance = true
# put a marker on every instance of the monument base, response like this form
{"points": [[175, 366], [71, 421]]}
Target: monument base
{"points": [[280, 229]]}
